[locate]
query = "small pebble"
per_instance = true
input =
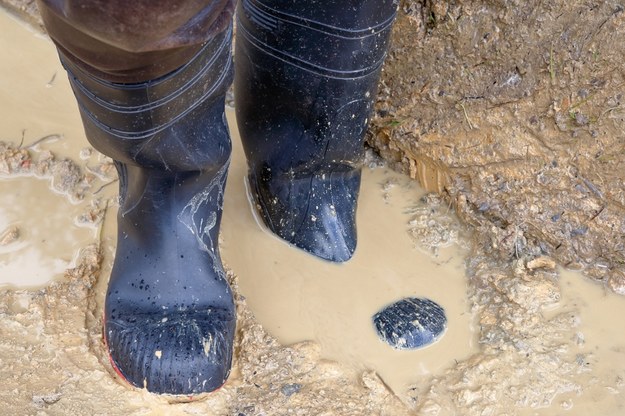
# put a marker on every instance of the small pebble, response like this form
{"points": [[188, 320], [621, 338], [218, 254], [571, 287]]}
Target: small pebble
{"points": [[581, 119], [86, 153], [410, 323], [290, 389]]}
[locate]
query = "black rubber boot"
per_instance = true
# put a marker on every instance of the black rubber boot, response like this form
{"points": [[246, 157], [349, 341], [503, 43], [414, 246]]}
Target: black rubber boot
{"points": [[305, 82], [169, 313]]}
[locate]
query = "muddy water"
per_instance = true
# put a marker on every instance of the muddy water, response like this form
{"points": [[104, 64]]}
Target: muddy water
{"points": [[298, 297], [36, 103], [47, 240], [600, 339], [294, 295], [36, 97]]}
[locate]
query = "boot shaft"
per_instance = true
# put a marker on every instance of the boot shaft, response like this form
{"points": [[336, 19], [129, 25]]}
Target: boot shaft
{"points": [[169, 318], [174, 123], [338, 39], [306, 80]]}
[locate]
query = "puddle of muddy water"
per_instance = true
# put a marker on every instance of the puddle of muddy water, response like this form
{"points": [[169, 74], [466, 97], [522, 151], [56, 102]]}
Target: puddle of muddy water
{"points": [[37, 102], [600, 352], [297, 297], [47, 237]]}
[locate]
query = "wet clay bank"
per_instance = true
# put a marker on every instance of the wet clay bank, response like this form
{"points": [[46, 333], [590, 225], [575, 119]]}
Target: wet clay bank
{"points": [[544, 347], [514, 111]]}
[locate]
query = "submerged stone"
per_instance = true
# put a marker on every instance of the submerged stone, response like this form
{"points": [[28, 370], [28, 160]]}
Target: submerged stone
{"points": [[410, 323]]}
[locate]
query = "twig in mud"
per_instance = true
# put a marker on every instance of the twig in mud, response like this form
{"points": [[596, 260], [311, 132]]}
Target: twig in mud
{"points": [[596, 215], [105, 185], [49, 84], [592, 187], [466, 116], [100, 231], [101, 170], [584, 101], [552, 71], [609, 110], [22, 141], [449, 206], [43, 139]]}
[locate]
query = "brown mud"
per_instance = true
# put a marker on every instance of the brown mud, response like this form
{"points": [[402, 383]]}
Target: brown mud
{"points": [[514, 111], [511, 111]]}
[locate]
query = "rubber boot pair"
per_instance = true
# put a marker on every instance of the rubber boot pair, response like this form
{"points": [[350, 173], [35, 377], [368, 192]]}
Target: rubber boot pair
{"points": [[306, 77]]}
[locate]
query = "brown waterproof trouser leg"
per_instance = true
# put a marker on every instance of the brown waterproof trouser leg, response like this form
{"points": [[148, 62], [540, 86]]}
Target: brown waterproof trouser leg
{"points": [[133, 41]]}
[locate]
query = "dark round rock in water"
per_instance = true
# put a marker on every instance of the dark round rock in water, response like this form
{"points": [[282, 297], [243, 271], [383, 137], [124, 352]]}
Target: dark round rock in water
{"points": [[410, 323]]}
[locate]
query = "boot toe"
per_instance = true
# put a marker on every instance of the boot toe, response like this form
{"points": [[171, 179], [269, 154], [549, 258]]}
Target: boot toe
{"points": [[173, 353], [316, 213], [327, 235]]}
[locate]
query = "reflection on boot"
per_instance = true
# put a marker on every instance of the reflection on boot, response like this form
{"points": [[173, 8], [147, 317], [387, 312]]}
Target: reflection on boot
{"points": [[169, 313], [306, 79]]}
